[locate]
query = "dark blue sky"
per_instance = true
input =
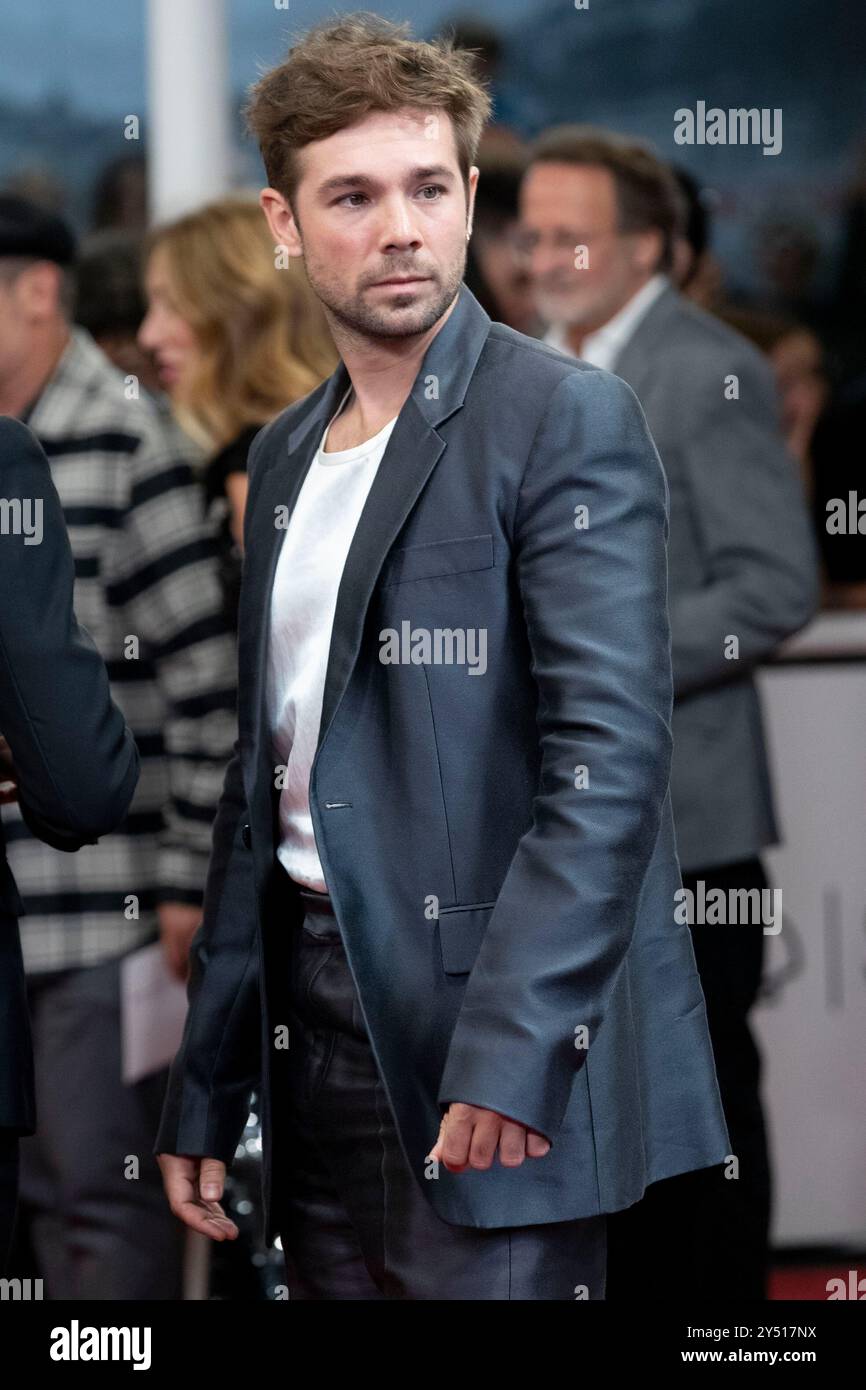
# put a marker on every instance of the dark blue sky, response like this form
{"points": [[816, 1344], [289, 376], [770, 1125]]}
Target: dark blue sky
{"points": [[94, 50]]}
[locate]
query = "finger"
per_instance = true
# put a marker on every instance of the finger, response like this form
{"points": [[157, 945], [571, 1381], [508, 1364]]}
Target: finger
{"points": [[512, 1144], [208, 1218], [178, 1178], [485, 1137], [536, 1144], [211, 1179], [457, 1137], [436, 1151], [8, 795]]}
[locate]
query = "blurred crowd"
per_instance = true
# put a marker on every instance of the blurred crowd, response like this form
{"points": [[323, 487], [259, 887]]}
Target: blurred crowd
{"points": [[145, 359]]}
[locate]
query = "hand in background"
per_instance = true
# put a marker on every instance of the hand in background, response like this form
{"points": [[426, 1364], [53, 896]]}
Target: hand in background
{"points": [[178, 924], [8, 775]]}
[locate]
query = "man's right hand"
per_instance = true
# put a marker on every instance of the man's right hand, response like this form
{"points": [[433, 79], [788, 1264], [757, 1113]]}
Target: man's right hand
{"points": [[193, 1187]]}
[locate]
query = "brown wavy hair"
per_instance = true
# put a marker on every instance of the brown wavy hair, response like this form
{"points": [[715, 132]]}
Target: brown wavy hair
{"points": [[343, 69], [263, 337]]}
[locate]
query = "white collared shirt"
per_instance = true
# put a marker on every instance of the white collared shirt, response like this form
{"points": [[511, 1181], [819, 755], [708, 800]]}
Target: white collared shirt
{"points": [[603, 347]]}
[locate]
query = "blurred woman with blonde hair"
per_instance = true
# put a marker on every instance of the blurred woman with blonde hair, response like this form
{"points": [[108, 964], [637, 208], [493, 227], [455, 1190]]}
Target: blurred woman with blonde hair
{"points": [[237, 335]]}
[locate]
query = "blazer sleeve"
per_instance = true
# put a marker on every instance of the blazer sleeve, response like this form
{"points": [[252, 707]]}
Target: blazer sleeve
{"points": [[218, 1063], [594, 600], [76, 760], [752, 526]]}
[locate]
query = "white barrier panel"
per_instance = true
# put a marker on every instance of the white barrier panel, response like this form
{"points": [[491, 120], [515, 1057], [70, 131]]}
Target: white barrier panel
{"points": [[811, 1023], [189, 105]]}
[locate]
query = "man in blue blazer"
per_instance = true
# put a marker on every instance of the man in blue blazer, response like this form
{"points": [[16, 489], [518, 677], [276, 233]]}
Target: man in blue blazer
{"points": [[67, 758], [439, 926]]}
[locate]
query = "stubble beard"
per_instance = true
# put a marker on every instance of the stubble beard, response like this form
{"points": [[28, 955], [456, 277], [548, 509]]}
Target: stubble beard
{"points": [[359, 315]]}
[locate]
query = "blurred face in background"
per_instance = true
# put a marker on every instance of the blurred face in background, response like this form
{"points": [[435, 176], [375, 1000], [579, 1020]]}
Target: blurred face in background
{"points": [[123, 350], [568, 206], [164, 332], [503, 267], [382, 200], [29, 305], [798, 361]]}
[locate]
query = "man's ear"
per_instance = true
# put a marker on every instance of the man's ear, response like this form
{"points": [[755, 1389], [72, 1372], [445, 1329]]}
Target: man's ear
{"points": [[648, 249], [473, 188], [281, 220]]}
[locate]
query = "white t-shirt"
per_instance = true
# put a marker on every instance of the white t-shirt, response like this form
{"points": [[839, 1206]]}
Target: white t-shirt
{"points": [[303, 603]]}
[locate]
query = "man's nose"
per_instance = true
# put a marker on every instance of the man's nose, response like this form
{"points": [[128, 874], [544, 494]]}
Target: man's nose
{"points": [[399, 225], [547, 257], [144, 332], [541, 260]]}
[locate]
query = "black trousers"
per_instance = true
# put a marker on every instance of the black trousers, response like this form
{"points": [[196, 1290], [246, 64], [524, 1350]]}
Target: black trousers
{"points": [[358, 1225], [8, 1192], [701, 1233]]}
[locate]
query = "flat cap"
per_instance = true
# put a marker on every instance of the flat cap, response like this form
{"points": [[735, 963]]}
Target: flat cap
{"points": [[26, 229]]}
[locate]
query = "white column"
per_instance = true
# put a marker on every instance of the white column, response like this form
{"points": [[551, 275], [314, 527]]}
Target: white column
{"points": [[188, 128]]}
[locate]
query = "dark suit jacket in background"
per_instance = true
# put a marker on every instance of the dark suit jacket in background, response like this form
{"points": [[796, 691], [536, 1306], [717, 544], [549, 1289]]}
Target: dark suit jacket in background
{"points": [[76, 762], [555, 905]]}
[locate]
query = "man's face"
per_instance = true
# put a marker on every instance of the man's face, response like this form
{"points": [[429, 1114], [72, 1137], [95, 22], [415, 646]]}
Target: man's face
{"points": [[379, 201], [582, 267], [15, 320]]}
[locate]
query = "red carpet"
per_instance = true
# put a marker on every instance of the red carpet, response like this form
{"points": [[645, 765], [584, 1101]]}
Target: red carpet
{"points": [[809, 1282]]}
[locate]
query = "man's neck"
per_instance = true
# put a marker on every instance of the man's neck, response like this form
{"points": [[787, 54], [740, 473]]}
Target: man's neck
{"points": [[576, 334], [382, 372], [29, 377]]}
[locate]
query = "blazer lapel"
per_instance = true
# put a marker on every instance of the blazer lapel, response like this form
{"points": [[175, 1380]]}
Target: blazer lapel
{"points": [[412, 453], [279, 493], [413, 450], [636, 361]]}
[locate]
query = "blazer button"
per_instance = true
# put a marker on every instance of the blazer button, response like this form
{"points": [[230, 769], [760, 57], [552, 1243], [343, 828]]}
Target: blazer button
{"points": [[247, 837]]}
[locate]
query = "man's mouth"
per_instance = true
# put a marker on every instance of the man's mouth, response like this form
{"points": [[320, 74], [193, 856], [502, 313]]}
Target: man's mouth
{"points": [[402, 280]]}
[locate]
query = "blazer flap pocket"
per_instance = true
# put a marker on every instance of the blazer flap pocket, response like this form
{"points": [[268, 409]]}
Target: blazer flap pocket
{"points": [[461, 931], [439, 557]]}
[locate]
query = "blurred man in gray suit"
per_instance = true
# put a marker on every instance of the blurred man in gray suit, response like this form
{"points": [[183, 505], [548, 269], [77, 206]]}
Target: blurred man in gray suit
{"points": [[599, 217]]}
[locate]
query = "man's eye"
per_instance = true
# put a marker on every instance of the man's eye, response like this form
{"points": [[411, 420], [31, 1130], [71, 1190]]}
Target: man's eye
{"points": [[435, 188]]}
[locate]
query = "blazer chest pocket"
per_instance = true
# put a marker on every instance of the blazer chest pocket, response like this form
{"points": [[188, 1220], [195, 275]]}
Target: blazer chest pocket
{"points": [[435, 558], [461, 931]]}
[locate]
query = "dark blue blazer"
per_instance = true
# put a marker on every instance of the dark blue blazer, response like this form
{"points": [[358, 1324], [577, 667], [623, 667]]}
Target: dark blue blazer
{"points": [[76, 761], [500, 908]]}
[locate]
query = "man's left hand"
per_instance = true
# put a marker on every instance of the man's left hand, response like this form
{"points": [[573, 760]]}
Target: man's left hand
{"points": [[470, 1136]]}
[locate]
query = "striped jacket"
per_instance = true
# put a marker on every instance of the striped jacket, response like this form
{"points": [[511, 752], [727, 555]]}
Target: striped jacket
{"points": [[147, 590]]}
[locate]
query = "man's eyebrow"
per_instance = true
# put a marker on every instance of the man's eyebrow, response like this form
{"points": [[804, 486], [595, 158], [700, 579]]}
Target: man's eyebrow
{"points": [[430, 171]]}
